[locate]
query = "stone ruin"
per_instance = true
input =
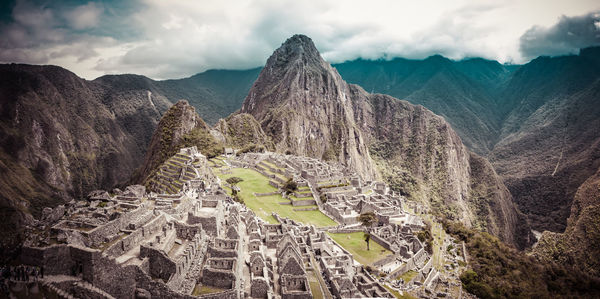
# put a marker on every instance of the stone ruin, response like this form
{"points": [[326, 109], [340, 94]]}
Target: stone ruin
{"points": [[199, 243]]}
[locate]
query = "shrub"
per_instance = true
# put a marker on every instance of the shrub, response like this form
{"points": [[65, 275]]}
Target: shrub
{"points": [[290, 186]]}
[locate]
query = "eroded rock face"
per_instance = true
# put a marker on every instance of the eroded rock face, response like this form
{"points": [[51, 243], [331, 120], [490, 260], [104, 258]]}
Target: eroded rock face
{"points": [[304, 106], [421, 156], [63, 136], [178, 121], [578, 245], [240, 130], [179, 127]]}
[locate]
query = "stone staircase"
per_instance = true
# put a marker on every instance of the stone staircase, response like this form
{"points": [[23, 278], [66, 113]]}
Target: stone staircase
{"points": [[56, 290], [91, 291]]}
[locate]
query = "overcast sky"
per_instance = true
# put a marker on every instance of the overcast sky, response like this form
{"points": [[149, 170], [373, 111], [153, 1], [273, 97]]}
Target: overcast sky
{"points": [[173, 39]]}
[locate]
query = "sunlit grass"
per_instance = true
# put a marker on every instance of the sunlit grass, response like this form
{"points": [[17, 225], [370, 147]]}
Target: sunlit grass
{"points": [[356, 245]]}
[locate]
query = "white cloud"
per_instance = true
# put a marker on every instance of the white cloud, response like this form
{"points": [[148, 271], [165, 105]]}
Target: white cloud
{"points": [[180, 38], [568, 35], [84, 16]]}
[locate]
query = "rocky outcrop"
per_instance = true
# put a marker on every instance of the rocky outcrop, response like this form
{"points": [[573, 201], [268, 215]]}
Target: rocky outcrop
{"points": [[578, 245], [63, 136], [304, 106], [241, 130], [180, 127], [419, 155]]}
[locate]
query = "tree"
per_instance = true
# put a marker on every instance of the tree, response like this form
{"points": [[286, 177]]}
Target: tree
{"points": [[232, 181], [367, 239], [367, 219], [290, 186]]}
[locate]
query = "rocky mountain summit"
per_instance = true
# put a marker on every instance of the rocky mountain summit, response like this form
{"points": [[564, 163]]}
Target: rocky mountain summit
{"points": [[305, 107]]}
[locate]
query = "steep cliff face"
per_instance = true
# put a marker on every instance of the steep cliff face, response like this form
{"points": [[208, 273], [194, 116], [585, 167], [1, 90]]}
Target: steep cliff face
{"points": [[578, 245], [62, 136], [537, 123], [464, 92], [551, 141], [419, 154], [241, 130], [179, 127], [74, 134], [303, 105]]}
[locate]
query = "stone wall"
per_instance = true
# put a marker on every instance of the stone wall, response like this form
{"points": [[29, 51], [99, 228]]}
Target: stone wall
{"points": [[218, 278], [98, 235], [210, 225], [161, 266], [222, 253], [103, 272], [259, 287], [188, 232], [61, 259], [385, 244], [412, 263], [306, 202], [388, 259], [267, 194]]}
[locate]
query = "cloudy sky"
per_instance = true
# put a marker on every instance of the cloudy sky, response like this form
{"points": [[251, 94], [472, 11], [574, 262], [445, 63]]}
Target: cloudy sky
{"points": [[175, 38]]}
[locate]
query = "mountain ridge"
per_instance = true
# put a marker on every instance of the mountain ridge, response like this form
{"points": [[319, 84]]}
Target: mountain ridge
{"points": [[298, 94]]}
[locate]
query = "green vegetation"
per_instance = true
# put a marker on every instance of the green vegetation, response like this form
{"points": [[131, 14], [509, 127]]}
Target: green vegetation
{"points": [[499, 271], [315, 286], [202, 290], [397, 294], [354, 243], [168, 126], [408, 275], [206, 143], [290, 186], [367, 219], [263, 206], [426, 237], [323, 198], [252, 148], [232, 181]]}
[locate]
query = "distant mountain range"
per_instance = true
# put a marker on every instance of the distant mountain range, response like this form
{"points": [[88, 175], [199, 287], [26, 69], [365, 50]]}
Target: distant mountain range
{"points": [[538, 123]]}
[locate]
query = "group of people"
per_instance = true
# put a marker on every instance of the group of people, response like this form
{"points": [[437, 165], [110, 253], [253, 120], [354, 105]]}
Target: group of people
{"points": [[21, 273], [18, 273]]}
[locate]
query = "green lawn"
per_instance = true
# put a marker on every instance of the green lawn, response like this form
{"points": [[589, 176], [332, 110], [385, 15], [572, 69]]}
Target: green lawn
{"points": [[408, 275], [315, 287], [254, 182], [203, 290], [356, 245]]}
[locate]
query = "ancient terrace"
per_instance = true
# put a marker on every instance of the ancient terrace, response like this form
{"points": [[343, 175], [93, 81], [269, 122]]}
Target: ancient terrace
{"points": [[185, 237]]}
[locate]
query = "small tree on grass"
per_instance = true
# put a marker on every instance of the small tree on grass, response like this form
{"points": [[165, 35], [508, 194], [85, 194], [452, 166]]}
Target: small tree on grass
{"points": [[290, 186], [232, 181], [367, 239], [367, 219], [323, 198]]}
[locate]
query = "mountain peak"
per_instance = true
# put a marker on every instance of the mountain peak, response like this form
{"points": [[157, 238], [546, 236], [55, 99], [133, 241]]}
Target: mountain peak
{"points": [[296, 49]]}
